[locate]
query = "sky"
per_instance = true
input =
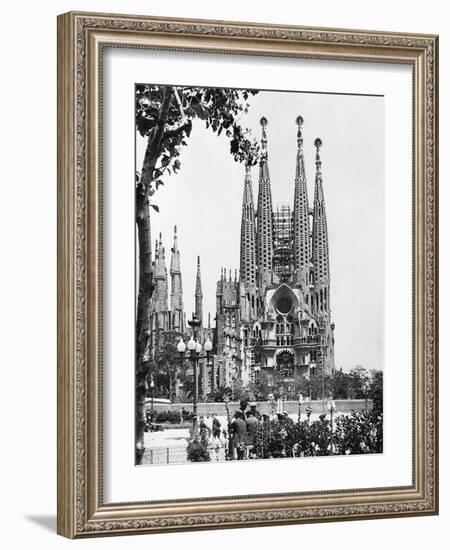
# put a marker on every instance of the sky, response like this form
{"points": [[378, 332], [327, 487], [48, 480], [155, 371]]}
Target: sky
{"points": [[204, 200]]}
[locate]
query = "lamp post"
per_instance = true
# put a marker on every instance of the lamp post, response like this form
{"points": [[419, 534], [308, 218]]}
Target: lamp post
{"points": [[152, 387], [208, 349], [194, 347]]}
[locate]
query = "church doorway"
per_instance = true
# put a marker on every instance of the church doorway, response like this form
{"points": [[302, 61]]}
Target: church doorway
{"points": [[285, 364]]}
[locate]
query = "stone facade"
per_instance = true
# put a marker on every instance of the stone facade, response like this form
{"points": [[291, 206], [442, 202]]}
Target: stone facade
{"points": [[276, 318]]}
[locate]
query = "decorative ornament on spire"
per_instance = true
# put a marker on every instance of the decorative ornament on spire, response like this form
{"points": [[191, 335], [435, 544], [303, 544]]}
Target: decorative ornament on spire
{"points": [[175, 239], [264, 124], [318, 145], [299, 122]]}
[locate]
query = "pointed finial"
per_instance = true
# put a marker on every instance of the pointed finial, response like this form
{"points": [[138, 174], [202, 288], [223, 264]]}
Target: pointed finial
{"points": [[209, 319], [235, 275], [318, 145], [198, 261], [230, 276], [263, 123], [299, 122], [175, 239]]}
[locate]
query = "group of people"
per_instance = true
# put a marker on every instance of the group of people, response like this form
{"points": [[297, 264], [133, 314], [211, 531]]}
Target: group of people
{"points": [[243, 433]]}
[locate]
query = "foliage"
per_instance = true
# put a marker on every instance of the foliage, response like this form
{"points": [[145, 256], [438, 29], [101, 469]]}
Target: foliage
{"points": [[376, 391], [172, 417], [175, 108], [197, 449], [358, 383], [339, 385], [220, 395], [358, 433], [166, 369]]}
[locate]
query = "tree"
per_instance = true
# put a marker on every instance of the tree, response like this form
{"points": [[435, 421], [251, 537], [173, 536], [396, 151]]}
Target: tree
{"points": [[221, 394], [320, 386], [168, 369], [340, 383], [376, 391], [358, 383], [164, 116]]}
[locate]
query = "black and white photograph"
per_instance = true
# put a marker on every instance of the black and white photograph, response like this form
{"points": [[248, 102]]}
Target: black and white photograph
{"points": [[260, 274]]}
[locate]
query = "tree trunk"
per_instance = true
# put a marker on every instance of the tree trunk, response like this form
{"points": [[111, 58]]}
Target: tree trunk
{"points": [[143, 191], [142, 316]]}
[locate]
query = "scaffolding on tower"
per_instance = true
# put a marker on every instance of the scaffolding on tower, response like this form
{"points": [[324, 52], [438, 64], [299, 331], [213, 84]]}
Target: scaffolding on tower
{"points": [[283, 239]]}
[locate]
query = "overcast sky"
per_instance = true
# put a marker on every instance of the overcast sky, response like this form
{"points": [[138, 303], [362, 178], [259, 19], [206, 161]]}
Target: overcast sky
{"points": [[204, 201]]}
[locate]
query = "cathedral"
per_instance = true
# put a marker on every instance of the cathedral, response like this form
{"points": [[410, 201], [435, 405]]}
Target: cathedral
{"points": [[276, 317], [273, 318]]}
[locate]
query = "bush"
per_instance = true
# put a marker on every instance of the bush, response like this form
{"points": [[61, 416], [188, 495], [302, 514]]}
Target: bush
{"points": [[359, 433], [171, 417], [197, 449]]}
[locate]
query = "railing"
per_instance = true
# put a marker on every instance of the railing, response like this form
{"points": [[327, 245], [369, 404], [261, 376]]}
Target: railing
{"points": [[307, 340], [178, 454], [286, 341], [165, 455]]}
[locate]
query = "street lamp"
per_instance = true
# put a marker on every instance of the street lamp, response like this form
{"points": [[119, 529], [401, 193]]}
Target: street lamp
{"points": [[194, 347], [208, 349], [152, 386]]}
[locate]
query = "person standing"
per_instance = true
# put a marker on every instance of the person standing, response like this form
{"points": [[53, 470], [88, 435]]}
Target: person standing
{"points": [[252, 427], [239, 438], [216, 426], [255, 411]]}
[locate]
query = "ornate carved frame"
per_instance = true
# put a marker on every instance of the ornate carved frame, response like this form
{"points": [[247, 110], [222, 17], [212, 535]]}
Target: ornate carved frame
{"points": [[81, 511]]}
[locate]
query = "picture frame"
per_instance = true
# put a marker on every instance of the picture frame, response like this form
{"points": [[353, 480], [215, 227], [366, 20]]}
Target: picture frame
{"points": [[82, 40]]}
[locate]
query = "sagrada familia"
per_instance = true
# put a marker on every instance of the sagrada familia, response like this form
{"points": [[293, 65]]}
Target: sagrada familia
{"points": [[274, 318]]}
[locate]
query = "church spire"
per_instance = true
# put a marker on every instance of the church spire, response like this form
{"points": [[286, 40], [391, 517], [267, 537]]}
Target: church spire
{"points": [[198, 294], [176, 295], [160, 277], [301, 212], [265, 228], [320, 255], [248, 233]]}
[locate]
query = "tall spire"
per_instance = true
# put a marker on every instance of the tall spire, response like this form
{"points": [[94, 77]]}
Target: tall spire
{"points": [[176, 295], [320, 255], [302, 252], [264, 242], [248, 232], [160, 277], [198, 294]]}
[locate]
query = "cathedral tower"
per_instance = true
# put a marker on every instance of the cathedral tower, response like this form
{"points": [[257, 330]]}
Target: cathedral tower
{"points": [[320, 255], [302, 254], [248, 233], [199, 294], [176, 294], [160, 277], [264, 241]]}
